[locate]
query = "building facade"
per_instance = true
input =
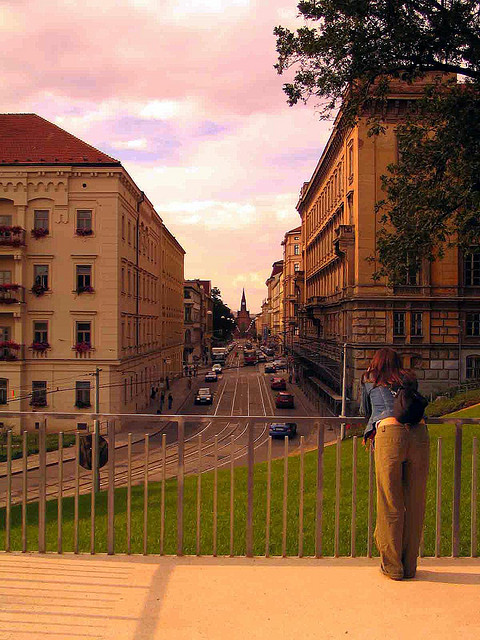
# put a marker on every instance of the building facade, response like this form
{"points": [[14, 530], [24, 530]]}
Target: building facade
{"points": [[432, 319], [91, 280], [198, 320], [292, 267]]}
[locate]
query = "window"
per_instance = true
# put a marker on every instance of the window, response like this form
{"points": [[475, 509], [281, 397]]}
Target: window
{"points": [[188, 314], [473, 324], [84, 221], [129, 237], [82, 394], [40, 332], [471, 269], [473, 367], [186, 294], [350, 160], [40, 275], [399, 323], [3, 391], [412, 272], [40, 219], [84, 278], [296, 238], [296, 249], [123, 280], [123, 227], [296, 266], [39, 393], [5, 221], [84, 332], [416, 328], [5, 277]]}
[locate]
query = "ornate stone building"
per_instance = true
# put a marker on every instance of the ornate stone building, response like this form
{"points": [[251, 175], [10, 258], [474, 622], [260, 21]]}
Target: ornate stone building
{"points": [[90, 277], [432, 319]]}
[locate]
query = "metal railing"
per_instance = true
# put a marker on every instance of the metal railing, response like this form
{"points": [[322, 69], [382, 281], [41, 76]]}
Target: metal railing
{"points": [[177, 453]]}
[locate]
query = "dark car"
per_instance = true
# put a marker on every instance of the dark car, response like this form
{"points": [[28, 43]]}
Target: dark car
{"points": [[211, 376], [282, 429], [284, 401], [278, 383], [269, 368], [204, 396]]}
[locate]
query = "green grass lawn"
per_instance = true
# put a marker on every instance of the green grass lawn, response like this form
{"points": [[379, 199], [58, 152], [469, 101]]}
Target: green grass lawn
{"points": [[446, 432]]}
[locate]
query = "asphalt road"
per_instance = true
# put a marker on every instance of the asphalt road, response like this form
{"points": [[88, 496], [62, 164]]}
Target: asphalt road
{"points": [[242, 395]]}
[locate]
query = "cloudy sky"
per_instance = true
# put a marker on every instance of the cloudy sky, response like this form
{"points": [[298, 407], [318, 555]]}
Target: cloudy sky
{"points": [[184, 93]]}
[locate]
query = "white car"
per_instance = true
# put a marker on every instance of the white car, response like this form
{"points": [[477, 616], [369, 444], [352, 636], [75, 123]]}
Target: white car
{"points": [[217, 368], [204, 396]]}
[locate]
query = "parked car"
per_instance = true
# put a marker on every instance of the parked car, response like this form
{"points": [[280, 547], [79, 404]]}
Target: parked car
{"points": [[285, 400], [280, 364], [204, 396], [278, 383], [282, 429], [211, 376], [217, 368], [261, 357], [269, 368]]}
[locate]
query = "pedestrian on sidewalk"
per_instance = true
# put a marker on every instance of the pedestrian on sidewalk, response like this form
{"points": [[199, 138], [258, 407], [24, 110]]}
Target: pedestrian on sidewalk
{"points": [[170, 401], [153, 393], [162, 398], [290, 377], [398, 433], [189, 383], [195, 370], [167, 382], [185, 370]]}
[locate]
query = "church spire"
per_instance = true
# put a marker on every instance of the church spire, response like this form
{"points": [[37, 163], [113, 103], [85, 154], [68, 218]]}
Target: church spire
{"points": [[243, 304]]}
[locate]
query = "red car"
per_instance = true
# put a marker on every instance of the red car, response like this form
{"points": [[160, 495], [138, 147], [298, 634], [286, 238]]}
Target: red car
{"points": [[278, 383], [285, 401]]}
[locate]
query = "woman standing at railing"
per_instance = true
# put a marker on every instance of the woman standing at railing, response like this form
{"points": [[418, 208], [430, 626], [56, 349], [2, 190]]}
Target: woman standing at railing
{"points": [[402, 450]]}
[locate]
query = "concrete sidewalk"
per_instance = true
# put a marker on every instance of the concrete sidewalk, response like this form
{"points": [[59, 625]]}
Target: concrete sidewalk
{"points": [[152, 598]]}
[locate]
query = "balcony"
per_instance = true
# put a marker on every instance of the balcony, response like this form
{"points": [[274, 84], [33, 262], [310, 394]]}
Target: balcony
{"points": [[11, 236], [11, 351], [11, 294]]}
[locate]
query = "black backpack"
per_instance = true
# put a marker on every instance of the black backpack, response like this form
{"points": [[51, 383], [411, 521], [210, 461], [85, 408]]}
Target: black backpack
{"points": [[408, 405]]}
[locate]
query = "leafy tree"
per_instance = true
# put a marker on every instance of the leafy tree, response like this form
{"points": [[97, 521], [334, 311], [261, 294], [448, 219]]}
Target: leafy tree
{"points": [[348, 52], [222, 326]]}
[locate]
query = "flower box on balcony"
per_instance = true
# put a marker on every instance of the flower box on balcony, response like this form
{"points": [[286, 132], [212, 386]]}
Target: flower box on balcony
{"points": [[41, 232], [38, 402], [82, 347], [82, 405], [38, 289], [7, 300], [9, 344], [9, 287], [40, 346], [84, 232], [86, 289], [12, 236]]}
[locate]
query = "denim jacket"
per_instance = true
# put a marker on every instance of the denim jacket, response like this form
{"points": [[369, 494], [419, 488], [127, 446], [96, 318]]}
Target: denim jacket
{"points": [[376, 404]]}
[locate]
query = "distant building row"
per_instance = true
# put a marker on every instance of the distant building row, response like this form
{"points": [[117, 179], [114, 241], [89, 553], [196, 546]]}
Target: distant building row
{"points": [[322, 294]]}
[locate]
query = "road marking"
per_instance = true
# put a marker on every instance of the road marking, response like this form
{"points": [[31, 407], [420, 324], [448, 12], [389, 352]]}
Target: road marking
{"points": [[221, 396], [234, 395], [261, 394]]}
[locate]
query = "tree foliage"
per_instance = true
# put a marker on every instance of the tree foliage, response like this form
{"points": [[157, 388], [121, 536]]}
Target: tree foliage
{"points": [[433, 192], [348, 52], [222, 325], [353, 45]]}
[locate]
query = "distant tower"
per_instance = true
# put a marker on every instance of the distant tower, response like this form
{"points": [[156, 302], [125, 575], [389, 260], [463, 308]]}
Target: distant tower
{"points": [[243, 321]]}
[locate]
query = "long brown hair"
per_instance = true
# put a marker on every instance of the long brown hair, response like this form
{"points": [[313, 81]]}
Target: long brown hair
{"points": [[386, 369]]}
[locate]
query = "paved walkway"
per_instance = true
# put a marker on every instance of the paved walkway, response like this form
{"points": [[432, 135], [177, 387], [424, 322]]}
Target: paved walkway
{"points": [[136, 598]]}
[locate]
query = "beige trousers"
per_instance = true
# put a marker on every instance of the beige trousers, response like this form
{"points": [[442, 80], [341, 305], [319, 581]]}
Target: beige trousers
{"points": [[401, 462]]}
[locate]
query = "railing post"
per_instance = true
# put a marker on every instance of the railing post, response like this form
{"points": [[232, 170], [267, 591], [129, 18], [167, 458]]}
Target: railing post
{"points": [[319, 497], [8, 509], [457, 482], [111, 489], [42, 486], [338, 471], [438, 500], [180, 482], [370, 502], [353, 535], [249, 533], [60, 495], [474, 498], [24, 490]]}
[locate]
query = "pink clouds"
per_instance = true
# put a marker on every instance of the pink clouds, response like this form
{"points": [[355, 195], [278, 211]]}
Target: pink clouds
{"points": [[185, 95]]}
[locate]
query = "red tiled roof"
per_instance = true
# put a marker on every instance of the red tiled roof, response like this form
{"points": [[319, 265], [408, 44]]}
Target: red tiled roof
{"points": [[26, 138]]}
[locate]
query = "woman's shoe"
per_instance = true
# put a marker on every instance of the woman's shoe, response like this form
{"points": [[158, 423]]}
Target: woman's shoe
{"points": [[389, 575]]}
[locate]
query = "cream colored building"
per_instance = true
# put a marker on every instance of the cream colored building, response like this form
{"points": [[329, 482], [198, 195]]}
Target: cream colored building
{"points": [[198, 320], [96, 276], [292, 268]]}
